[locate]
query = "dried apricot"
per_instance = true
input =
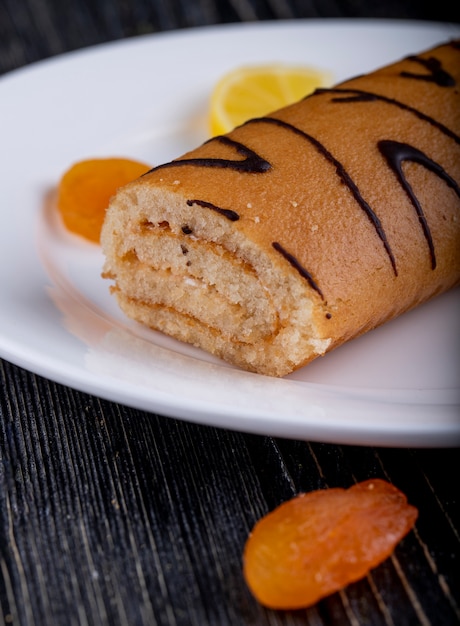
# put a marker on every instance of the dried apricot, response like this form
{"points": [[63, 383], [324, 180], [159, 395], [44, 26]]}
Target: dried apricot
{"points": [[319, 542], [86, 188]]}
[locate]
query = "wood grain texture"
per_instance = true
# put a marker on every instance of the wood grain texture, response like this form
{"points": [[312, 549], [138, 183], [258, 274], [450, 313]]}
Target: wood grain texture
{"points": [[111, 516], [116, 516], [34, 29]]}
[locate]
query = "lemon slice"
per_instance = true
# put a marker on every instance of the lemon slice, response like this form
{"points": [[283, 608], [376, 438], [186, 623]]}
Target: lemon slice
{"points": [[253, 91]]}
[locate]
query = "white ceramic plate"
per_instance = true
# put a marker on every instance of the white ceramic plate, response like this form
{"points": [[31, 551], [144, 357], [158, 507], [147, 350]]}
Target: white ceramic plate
{"points": [[146, 98]]}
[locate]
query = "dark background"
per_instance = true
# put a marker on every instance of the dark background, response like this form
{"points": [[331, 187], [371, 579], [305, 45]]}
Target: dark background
{"points": [[33, 29]]}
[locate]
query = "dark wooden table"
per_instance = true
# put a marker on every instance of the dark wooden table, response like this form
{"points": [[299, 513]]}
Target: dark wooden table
{"points": [[114, 516]]}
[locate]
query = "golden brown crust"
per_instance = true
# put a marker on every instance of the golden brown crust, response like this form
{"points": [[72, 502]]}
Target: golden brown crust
{"points": [[270, 268]]}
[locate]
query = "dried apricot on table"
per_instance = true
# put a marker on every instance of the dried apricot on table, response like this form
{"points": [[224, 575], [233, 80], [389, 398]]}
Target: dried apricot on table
{"points": [[319, 542], [86, 188]]}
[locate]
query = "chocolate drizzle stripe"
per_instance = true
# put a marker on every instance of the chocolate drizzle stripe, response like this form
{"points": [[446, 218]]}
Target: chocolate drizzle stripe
{"points": [[395, 154], [368, 96], [295, 263], [436, 73], [252, 163], [228, 213], [344, 177]]}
